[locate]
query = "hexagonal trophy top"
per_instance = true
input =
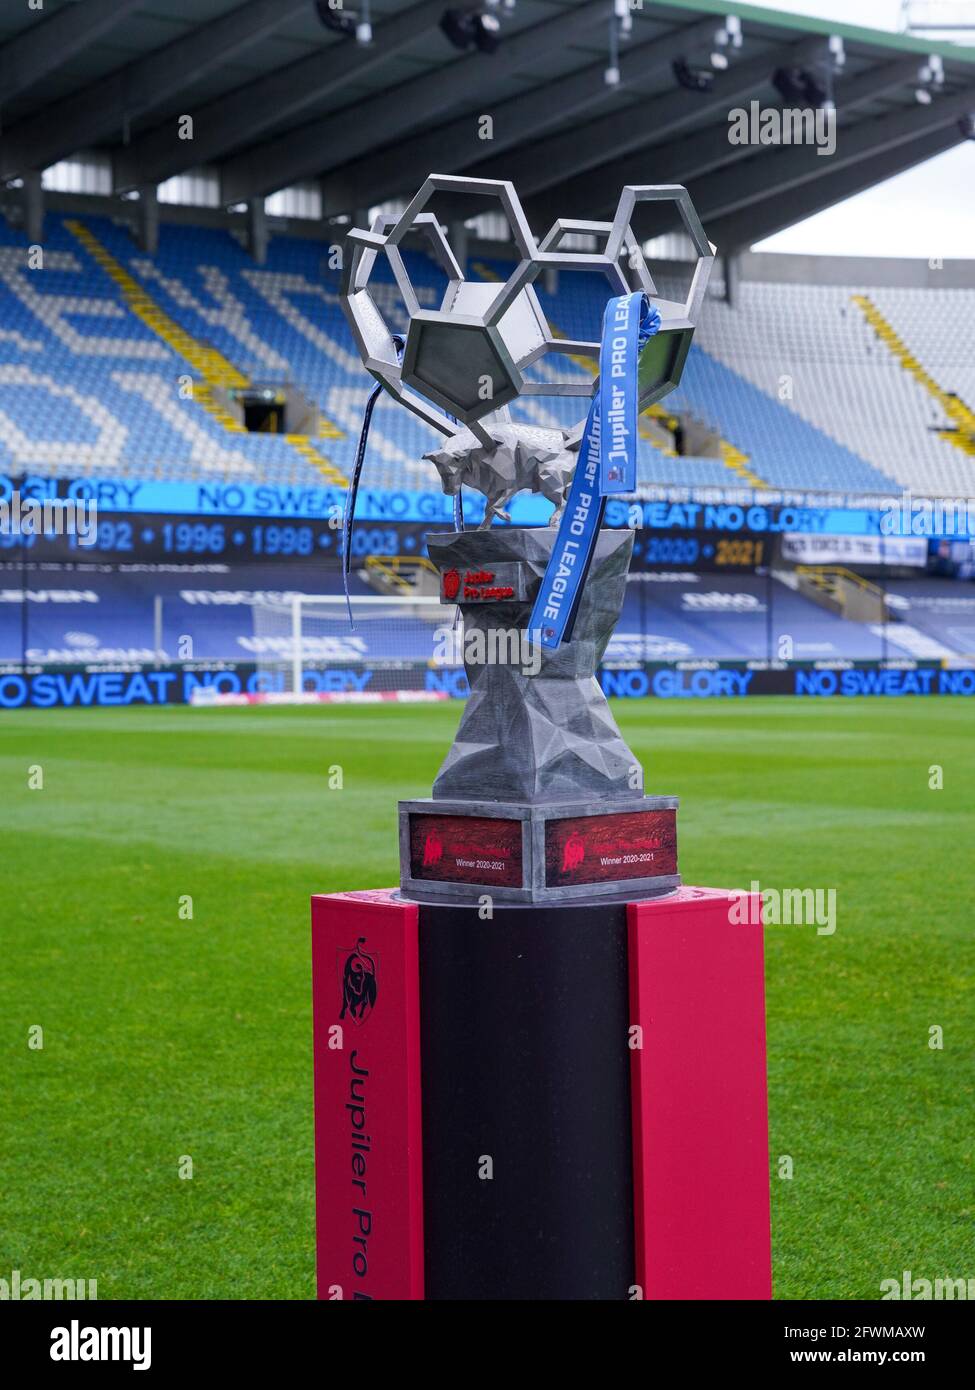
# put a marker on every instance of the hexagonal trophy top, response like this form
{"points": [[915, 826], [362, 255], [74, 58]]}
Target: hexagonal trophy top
{"points": [[465, 360]]}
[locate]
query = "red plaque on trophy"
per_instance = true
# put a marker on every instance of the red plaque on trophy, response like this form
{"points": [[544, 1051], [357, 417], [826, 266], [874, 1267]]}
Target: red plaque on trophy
{"points": [[466, 849], [607, 849]]}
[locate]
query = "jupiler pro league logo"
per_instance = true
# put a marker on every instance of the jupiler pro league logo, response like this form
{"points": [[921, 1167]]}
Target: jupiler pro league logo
{"points": [[432, 849], [574, 853], [358, 977]]}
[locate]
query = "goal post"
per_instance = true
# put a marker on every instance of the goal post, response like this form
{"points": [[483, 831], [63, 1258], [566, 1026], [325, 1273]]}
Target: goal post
{"points": [[297, 680], [304, 645]]}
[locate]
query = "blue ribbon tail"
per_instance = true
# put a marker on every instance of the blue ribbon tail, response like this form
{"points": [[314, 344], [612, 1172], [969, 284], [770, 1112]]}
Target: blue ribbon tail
{"points": [[349, 518]]}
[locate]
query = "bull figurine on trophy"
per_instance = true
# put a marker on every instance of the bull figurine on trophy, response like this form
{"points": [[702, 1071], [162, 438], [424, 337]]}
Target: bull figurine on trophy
{"points": [[539, 798]]}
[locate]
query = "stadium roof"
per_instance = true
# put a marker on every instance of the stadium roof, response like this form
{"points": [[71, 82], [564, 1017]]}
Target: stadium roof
{"points": [[278, 98]]}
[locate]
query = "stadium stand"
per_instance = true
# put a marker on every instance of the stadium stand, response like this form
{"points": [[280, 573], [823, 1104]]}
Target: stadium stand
{"points": [[802, 386], [114, 363], [821, 347], [940, 608], [96, 614], [87, 386], [679, 616]]}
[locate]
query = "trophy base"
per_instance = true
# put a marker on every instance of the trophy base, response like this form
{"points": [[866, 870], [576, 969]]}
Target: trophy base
{"points": [[515, 852]]}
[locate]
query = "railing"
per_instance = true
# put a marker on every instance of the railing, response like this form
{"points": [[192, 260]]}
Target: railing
{"points": [[400, 571], [831, 573]]}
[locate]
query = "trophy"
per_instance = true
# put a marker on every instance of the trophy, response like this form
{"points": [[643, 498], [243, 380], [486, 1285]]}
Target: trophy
{"points": [[539, 798], [540, 1060]]}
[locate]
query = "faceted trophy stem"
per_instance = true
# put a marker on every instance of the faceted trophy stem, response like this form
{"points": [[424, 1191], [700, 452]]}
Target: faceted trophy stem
{"points": [[537, 726]]}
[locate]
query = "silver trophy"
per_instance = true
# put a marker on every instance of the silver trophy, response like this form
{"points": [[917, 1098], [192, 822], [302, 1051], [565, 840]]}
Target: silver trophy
{"points": [[533, 745]]}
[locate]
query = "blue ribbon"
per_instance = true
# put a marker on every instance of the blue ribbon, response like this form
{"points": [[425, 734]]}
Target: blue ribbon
{"points": [[607, 464], [348, 520], [459, 495], [629, 322]]}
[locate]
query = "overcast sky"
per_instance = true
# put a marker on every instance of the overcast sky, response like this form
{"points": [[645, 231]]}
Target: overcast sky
{"points": [[929, 211]]}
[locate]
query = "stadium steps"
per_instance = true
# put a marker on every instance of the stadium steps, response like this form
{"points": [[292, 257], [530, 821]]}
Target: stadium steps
{"points": [[403, 575], [844, 593], [664, 418], [962, 436], [328, 429], [211, 364], [216, 371], [203, 393], [734, 459], [332, 475]]}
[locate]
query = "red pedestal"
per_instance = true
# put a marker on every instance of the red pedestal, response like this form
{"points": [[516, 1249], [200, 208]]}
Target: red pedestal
{"points": [[697, 1222], [368, 1145], [698, 1096]]}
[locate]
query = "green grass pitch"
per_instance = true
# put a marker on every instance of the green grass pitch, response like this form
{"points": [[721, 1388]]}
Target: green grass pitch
{"points": [[166, 1037]]}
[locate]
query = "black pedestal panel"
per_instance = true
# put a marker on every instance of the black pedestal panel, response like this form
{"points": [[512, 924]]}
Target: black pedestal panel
{"points": [[525, 1073]]}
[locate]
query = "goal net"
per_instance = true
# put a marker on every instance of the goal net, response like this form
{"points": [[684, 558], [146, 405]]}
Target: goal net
{"points": [[305, 647]]}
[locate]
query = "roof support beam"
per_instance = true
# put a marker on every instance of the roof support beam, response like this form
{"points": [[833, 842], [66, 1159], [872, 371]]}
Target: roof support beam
{"points": [[692, 157], [793, 166], [33, 205], [147, 219], [49, 42], [761, 220], [257, 233], [548, 162], [402, 167], [104, 108], [343, 136], [566, 154], [237, 119]]}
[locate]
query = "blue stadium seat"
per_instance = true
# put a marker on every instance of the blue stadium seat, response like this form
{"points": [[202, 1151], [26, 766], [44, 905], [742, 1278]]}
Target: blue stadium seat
{"points": [[88, 387]]}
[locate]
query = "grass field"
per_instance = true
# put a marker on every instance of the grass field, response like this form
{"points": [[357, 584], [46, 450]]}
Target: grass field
{"points": [[166, 1037]]}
